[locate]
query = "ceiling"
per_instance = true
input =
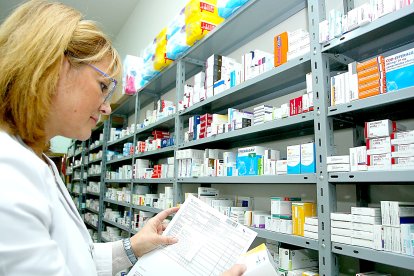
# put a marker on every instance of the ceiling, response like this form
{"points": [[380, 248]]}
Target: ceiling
{"points": [[111, 14]]}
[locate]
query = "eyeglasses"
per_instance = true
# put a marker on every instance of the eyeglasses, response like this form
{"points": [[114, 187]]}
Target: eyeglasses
{"points": [[110, 89]]}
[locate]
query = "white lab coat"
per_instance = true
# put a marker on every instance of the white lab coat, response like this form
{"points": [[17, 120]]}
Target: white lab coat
{"points": [[41, 232]]}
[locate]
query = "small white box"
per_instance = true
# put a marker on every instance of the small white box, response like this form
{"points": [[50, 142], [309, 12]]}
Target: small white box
{"points": [[378, 145], [366, 219], [366, 211], [341, 232], [311, 220], [341, 216], [281, 167], [341, 224], [402, 150], [338, 167], [311, 235], [340, 159], [311, 228], [341, 239], [358, 158], [381, 128], [363, 235], [362, 243], [363, 227]]}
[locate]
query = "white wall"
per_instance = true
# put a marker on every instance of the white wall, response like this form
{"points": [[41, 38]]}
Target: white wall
{"points": [[60, 144]]}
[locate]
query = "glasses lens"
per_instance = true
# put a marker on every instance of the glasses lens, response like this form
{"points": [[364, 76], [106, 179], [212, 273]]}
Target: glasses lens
{"points": [[111, 90]]}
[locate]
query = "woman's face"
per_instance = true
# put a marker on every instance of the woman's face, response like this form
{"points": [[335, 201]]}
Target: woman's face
{"points": [[79, 101]]}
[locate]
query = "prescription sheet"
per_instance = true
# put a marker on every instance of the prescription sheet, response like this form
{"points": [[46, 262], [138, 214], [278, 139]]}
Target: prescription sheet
{"points": [[208, 243]]}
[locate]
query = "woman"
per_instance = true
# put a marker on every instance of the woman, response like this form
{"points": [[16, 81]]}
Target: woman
{"points": [[57, 75]]}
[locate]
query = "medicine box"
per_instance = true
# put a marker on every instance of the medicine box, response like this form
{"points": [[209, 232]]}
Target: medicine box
{"points": [[290, 259], [400, 70], [293, 159], [249, 160], [307, 158]]}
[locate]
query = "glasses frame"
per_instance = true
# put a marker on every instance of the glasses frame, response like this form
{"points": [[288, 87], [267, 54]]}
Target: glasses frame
{"points": [[114, 81]]}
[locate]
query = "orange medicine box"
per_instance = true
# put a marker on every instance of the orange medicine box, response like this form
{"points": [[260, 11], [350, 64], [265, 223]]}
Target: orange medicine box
{"points": [[301, 210], [370, 78], [373, 62], [371, 71], [280, 48], [373, 84]]}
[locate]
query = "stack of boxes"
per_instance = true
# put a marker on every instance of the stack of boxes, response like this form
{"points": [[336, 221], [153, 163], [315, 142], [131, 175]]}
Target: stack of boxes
{"points": [[398, 223], [367, 228], [213, 74], [281, 214], [262, 113], [300, 211], [311, 228], [190, 162], [338, 163], [371, 77], [341, 228], [389, 228], [378, 143], [402, 150], [205, 123]]}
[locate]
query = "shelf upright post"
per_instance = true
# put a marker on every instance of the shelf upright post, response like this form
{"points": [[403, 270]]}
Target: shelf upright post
{"points": [[326, 192], [348, 5], [106, 131], [82, 179], [179, 128]]}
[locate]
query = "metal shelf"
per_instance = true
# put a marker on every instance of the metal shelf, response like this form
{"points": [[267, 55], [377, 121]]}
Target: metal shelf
{"points": [[91, 225], [274, 130], [386, 33], [154, 181], [94, 175], [165, 123], [92, 193], [125, 158], [147, 209], [285, 238], [384, 257], [397, 177], [262, 179], [249, 22], [120, 203], [159, 152], [92, 210], [93, 161], [380, 105], [123, 139], [279, 81], [117, 180], [76, 167], [116, 224], [96, 147]]}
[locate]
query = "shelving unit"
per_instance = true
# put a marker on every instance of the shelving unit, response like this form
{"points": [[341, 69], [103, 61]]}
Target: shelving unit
{"points": [[388, 34]]}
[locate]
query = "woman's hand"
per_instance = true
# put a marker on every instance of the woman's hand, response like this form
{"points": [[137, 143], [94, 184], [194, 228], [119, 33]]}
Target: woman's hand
{"points": [[235, 270], [149, 237]]}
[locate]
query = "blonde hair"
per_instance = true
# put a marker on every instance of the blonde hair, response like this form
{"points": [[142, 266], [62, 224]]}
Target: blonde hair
{"points": [[34, 40]]}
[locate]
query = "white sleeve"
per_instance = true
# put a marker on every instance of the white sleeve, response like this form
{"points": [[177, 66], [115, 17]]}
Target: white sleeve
{"points": [[110, 258], [26, 247]]}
